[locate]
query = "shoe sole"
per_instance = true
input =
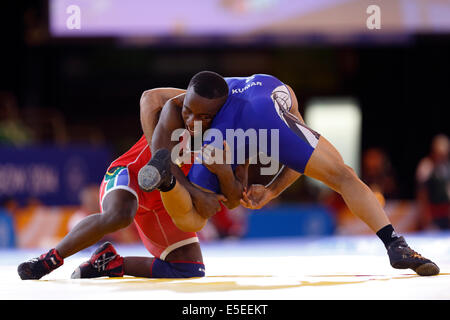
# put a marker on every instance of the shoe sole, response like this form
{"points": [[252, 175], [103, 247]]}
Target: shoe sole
{"points": [[25, 273], [76, 274], [149, 177], [427, 269]]}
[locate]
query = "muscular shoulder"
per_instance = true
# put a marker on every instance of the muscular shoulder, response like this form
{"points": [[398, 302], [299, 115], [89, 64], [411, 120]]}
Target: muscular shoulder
{"points": [[171, 113], [178, 100], [174, 105]]}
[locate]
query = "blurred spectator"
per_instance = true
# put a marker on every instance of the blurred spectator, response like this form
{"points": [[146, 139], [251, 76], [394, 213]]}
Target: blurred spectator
{"points": [[378, 174], [9, 204], [31, 125], [225, 224], [230, 223], [47, 124], [36, 31], [88, 205], [13, 130], [433, 185], [7, 232]]}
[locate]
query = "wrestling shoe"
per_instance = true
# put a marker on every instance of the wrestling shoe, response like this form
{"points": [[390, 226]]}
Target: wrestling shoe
{"points": [[401, 256], [36, 268], [104, 262], [156, 174]]}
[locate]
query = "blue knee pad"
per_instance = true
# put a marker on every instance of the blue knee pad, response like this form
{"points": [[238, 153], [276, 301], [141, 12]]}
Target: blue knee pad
{"points": [[177, 269]]}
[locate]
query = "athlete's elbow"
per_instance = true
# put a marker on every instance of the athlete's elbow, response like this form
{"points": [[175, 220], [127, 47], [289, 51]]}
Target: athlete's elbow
{"points": [[150, 101], [146, 95]]}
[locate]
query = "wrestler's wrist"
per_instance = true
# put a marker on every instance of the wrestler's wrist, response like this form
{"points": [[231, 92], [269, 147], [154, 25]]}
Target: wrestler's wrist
{"points": [[272, 191], [193, 191]]}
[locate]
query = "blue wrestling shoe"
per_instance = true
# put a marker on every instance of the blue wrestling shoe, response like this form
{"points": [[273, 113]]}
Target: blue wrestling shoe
{"points": [[401, 256]]}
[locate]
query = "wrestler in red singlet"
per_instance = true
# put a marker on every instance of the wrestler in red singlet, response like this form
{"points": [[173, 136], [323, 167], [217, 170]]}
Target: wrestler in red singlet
{"points": [[156, 229]]}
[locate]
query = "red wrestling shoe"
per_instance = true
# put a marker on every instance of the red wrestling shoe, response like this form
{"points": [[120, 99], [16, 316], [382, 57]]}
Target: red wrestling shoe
{"points": [[104, 262], [36, 268]]}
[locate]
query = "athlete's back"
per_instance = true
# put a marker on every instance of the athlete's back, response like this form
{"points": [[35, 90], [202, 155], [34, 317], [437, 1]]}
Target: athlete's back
{"points": [[259, 106], [244, 94]]}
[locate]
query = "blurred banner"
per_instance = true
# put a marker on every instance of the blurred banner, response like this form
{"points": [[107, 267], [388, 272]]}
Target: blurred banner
{"points": [[243, 18], [50, 174], [37, 226], [290, 221]]}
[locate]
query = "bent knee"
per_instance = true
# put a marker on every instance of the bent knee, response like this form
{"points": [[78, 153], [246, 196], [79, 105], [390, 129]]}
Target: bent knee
{"points": [[119, 209], [177, 269], [118, 218], [344, 175]]}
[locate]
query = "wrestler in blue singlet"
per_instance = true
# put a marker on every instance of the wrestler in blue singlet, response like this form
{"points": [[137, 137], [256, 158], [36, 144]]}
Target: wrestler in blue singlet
{"points": [[258, 102]]}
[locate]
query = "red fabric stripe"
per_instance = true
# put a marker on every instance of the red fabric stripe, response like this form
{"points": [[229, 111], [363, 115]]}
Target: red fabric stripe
{"points": [[151, 268], [182, 261]]}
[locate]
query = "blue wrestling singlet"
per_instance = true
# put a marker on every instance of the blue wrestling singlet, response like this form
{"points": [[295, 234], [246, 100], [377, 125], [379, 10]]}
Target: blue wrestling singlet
{"points": [[257, 108]]}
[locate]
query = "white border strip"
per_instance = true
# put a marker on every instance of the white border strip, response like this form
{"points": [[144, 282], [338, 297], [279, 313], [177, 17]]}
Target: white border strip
{"points": [[290, 97], [312, 139], [176, 245], [119, 187]]}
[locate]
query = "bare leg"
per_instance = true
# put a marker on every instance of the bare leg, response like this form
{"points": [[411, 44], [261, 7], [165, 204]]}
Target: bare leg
{"points": [[179, 206], [119, 209], [177, 201], [137, 266], [141, 266], [327, 165]]}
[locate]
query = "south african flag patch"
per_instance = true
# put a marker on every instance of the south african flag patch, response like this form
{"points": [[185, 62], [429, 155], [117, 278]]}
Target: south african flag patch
{"points": [[117, 177]]}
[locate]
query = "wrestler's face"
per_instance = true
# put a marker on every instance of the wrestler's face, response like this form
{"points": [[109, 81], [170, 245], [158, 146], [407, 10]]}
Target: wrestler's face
{"points": [[198, 108]]}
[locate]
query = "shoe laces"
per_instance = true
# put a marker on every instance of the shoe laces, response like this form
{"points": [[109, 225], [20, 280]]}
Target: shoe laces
{"points": [[101, 263], [416, 255], [411, 253]]}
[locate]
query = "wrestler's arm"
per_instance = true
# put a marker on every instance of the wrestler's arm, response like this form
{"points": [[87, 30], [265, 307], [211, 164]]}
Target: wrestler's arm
{"points": [[232, 183], [204, 204], [151, 103], [236, 182]]}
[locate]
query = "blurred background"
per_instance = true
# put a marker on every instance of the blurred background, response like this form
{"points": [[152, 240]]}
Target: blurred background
{"points": [[371, 76]]}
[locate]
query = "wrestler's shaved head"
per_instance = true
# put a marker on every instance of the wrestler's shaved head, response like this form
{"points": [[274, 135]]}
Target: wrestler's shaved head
{"points": [[208, 84]]}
